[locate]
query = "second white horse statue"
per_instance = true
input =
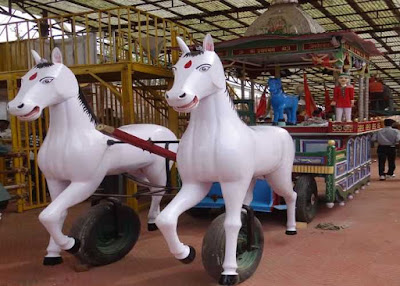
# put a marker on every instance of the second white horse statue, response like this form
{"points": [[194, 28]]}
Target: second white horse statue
{"points": [[218, 147], [74, 156]]}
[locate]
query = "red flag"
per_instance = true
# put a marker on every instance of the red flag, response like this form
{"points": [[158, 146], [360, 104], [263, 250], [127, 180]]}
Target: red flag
{"points": [[310, 105], [262, 106], [328, 101]]}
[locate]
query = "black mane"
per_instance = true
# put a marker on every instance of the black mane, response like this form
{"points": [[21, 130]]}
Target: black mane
{"points": [[44, 65], [86, 107], [193, 54], [230, 99]]}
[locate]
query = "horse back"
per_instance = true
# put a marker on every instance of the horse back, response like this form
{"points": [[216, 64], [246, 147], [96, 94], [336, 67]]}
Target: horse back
{"points": [[273, 147]]}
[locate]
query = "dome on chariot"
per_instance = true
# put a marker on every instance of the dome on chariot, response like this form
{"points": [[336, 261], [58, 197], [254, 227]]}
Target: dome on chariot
{"points": [[284, 17]]}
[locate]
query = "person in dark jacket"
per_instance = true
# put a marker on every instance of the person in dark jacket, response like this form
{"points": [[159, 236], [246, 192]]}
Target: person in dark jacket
{"points": [[387, 139]]}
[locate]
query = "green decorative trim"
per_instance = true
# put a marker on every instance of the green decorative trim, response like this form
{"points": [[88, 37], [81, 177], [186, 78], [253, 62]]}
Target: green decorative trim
{"points": [[344, 194], [330, 179], [312, 154], [297, 146]]}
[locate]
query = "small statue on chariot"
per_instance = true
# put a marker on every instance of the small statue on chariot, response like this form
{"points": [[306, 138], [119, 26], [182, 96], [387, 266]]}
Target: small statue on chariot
{"points": [[343, 98]]}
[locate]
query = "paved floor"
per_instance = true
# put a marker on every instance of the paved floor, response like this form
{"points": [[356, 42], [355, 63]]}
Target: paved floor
{"points": [[366, 252]]}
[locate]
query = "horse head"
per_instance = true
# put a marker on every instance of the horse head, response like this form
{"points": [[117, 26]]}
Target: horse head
{"points": [[197, 75], [275, 85], [46, 84]]}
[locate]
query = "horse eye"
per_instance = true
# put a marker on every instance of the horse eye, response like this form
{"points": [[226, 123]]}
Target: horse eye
{"points": [[203, 67], [46, 80]]}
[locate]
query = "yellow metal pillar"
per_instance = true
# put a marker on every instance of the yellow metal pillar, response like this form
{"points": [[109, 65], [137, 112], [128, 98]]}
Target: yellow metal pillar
{"points": [[16, 145], [127, 94], [129, 118], [173, 119]]}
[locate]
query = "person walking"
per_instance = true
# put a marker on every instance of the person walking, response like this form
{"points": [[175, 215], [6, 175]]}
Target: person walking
{"points": [[387, 139]]}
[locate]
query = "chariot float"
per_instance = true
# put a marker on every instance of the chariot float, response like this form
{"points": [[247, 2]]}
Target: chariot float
{"points": [[285, 41]]}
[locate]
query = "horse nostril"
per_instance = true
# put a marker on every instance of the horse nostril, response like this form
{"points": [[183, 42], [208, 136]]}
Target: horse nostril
{"points": [[166, 96], [21, 105], [182, 95]]}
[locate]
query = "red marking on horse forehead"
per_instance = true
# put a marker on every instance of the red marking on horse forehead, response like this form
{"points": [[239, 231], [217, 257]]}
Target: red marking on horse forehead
{"points": [[188, 64], [32, 77]]}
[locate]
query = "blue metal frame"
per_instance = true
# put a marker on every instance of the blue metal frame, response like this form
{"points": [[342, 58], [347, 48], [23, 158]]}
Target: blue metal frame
{"points": [[263, 198]]}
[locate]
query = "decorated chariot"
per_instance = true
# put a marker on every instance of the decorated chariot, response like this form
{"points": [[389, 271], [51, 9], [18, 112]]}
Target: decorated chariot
{"points": [[276, 46], [216, 147]]}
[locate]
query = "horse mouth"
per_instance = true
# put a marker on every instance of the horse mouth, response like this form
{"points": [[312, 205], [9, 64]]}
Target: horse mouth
{"points": [[31, 114], [189, 106]]}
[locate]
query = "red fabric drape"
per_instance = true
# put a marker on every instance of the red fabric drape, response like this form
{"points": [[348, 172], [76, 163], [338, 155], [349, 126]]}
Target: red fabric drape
{"points": [[310, 104], [328, 107], [262, 106]]}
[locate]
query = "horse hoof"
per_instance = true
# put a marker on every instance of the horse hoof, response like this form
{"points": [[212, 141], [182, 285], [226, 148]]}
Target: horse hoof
{"points": [[190, 257], [330, 205], [51, 261], [152, 227], [74, 249], [228, 280], [291, 232]]}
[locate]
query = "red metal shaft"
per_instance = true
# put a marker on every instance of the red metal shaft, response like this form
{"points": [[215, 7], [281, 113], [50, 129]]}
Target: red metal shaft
{"points": [[136, 141]]}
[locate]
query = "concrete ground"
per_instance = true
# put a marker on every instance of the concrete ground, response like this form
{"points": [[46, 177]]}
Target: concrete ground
{"points": [[366, 251]]}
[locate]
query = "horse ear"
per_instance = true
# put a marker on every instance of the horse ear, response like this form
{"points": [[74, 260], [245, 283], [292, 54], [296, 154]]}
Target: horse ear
{"points": [[36, 57], [208, 43], [56, 56], [184, 48]]}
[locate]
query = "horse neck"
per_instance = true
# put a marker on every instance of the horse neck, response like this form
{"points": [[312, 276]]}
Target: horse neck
{"points": [[277, 93], [215, 108], [69, 115]]}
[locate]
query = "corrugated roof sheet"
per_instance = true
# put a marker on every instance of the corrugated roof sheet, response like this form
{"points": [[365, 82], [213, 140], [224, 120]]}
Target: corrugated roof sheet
{"points": [[378, 20]]}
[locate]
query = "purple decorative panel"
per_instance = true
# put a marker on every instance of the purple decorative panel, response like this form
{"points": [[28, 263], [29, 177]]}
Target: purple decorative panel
{"points": [[341, 168]]}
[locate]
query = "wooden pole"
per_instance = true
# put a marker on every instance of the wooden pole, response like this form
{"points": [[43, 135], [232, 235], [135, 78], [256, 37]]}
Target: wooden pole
{"points": [[361, 98], [366, 102]]}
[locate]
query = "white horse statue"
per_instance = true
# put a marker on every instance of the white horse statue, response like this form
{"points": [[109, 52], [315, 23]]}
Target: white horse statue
{"points": [[218, 147], [74, 156]]}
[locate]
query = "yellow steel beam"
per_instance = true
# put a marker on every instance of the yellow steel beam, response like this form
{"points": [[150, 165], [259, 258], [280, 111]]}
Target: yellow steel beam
{"points": [[129, 117], [108, 85], [103, 68], [151, 91], [152, 70], [173, 121], [16, 143]]}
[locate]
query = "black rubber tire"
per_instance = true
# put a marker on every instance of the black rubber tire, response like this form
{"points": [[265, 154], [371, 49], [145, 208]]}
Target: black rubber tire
{"points": [[307, 198], [97, 232], [198, 212], [213, 250], [3, 205]]}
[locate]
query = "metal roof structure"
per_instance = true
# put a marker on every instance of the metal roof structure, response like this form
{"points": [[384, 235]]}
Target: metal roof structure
{"points": [[375, 20]]}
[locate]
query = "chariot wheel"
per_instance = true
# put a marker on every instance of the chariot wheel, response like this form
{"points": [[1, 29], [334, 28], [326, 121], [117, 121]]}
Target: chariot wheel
{"points": [[213, 250], [198, 212], [307, 198], [3, 205], [107, 233]]}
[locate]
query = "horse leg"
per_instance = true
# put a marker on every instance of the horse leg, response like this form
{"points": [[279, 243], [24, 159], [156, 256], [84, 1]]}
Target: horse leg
{"points": [[249, 195], [234, 194], [280, 113], [52, 215], [188, 196], [276, 115], [281, 183], [294, 115], [289, 116], [156, 174], [53, 256]]}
